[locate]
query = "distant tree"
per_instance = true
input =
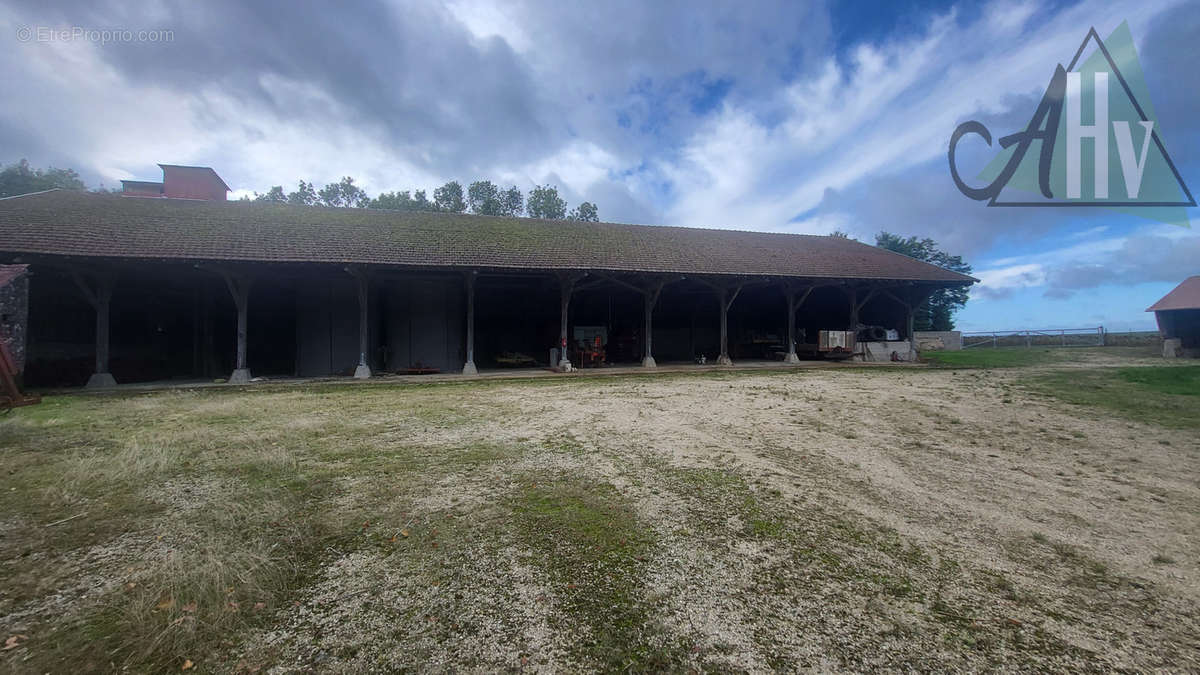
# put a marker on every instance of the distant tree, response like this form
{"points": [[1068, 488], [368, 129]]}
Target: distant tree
{"points": [[544, 202], [586, 211], [512, 202], [449, 198], [484, 198], [840, 235], [274, 195], [343, 193], [937, 313], [421, 202], [20, 178], [305, 195], [394, 201]]}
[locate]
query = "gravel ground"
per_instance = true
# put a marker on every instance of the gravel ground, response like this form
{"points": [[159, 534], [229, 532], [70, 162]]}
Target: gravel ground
{"points": [[847, 519]]}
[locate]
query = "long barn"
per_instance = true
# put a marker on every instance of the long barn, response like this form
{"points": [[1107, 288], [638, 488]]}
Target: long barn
{"points": [[143, 289]]}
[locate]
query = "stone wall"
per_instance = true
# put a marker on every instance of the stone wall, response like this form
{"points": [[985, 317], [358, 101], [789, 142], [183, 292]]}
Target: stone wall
{"points": [[14, 317]]}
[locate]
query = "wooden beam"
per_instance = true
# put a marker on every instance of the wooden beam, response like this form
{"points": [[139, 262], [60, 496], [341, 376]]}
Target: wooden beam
{"points": [[363, 370], [469, 367], [98, 292], [567, 281], [239, 287], [789, 293]]}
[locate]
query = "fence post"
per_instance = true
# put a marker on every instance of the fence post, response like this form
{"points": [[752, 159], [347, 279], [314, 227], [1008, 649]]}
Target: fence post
{"points": [[993, 340]]}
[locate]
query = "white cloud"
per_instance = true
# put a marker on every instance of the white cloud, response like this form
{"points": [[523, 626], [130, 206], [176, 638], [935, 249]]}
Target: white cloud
{"points": [[893, 106]]}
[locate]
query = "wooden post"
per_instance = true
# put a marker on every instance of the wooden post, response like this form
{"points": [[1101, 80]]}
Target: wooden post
{"points": [[912, 322], [909, 304], [469, 367], [726, 299], [792, 305], [99, 296], [239, 288], [196, 365], [566, 288], [650, 299], [363, 370]]}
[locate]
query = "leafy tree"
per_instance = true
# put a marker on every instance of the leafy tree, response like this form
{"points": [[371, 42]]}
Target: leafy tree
{"points": [[305, 195], [421, 202], [274, 195], [20, 178], [544, 202], [937, 313], [343, 193], [449, 198], [586, 211], [512, 202], [401, 201], [484, 198]]}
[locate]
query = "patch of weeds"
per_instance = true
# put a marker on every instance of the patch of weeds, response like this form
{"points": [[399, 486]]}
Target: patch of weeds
{"points": [[1160, 559], [590, 544], [565, 443]]}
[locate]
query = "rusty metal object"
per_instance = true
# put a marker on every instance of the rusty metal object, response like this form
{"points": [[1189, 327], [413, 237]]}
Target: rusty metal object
{"points": [[10, 394]]}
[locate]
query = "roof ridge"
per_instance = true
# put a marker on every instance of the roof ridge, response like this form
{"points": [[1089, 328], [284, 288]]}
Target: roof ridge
{"points": [[30, 194]]}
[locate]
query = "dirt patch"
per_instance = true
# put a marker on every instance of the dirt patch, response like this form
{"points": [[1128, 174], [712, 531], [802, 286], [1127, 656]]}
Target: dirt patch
{"points": [[850, 518]]}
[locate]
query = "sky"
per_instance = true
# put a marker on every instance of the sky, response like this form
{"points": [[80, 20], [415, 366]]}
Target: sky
{"points": [[784, 117]]}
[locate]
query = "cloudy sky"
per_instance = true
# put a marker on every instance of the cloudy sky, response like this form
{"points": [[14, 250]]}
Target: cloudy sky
{"points": [[797, 117]]}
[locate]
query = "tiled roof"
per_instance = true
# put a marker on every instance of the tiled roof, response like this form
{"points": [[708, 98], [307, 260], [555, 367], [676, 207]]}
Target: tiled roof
{"points": [[74, 223], [1184, 296], [8, 273]]}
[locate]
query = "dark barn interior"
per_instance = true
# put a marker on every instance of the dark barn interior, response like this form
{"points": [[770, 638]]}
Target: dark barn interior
{"points": [[175, 322]]}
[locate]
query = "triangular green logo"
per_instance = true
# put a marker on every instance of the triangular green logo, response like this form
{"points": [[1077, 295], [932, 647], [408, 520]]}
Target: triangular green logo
{"points": [[1098, 105]]}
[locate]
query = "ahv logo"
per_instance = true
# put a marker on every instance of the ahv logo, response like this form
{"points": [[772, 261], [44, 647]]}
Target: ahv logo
{"points": [[1098, 142]]}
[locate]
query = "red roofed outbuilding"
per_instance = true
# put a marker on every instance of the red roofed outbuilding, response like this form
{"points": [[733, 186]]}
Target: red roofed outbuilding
{"points": [[1178, 316]]}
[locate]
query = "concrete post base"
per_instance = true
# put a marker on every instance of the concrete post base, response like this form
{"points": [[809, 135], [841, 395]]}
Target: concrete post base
{"points": [[565, 366], [362, 372], [240, 376], [648, 362], [791, 358], [101, 381], [470, 369], [724, 360], [1172, 348]]}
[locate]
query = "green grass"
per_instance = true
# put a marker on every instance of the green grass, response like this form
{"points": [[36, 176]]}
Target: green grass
{"points": [[588, 541], [1003, 357], [1162, 395]]}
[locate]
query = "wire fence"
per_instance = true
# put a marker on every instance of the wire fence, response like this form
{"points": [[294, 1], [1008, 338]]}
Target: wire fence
{"points": [[1046, 337]]}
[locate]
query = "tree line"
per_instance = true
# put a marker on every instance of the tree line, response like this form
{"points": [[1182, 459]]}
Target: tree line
{"points": [[482, 197]]}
